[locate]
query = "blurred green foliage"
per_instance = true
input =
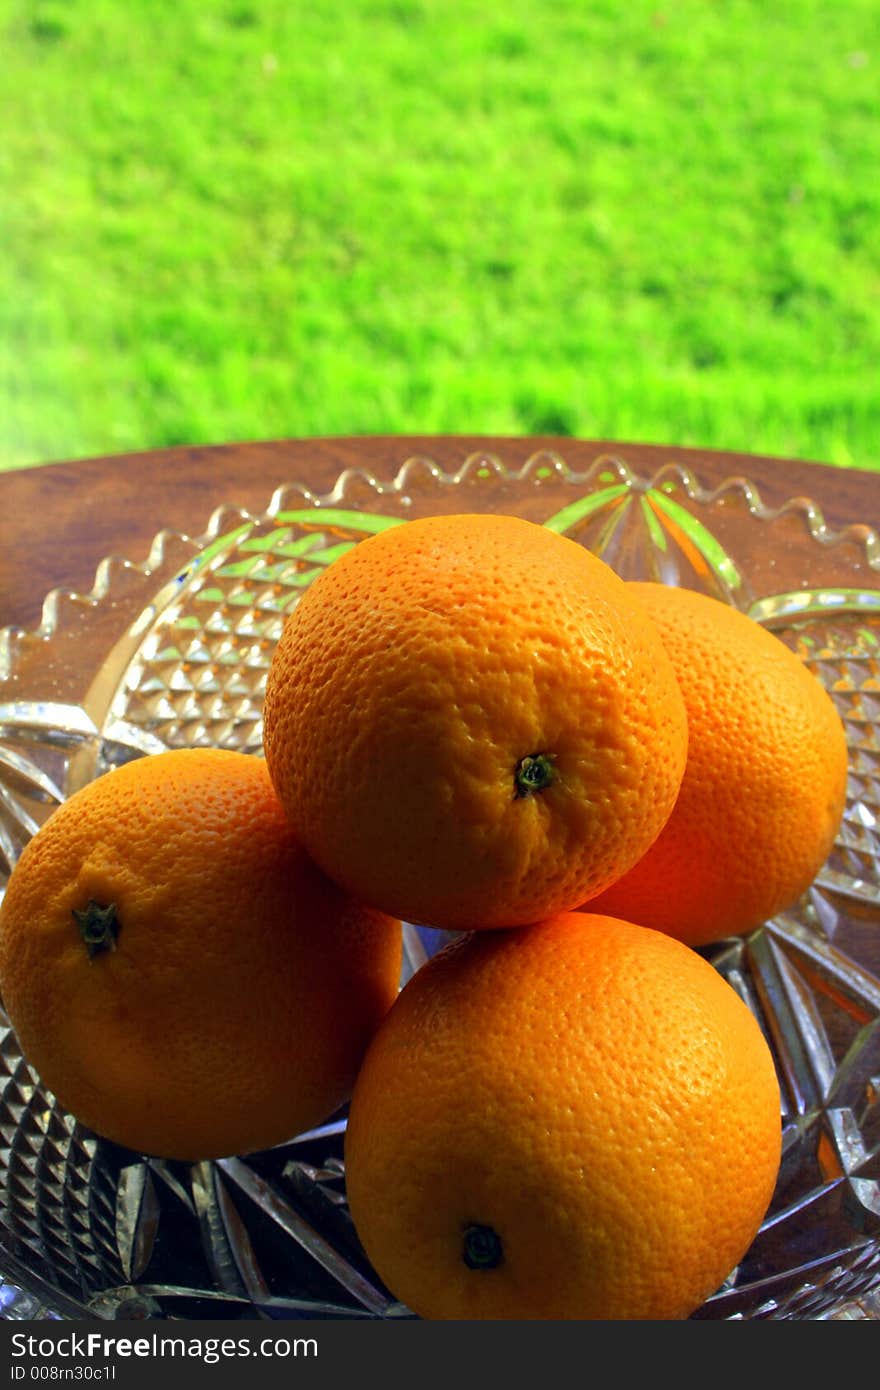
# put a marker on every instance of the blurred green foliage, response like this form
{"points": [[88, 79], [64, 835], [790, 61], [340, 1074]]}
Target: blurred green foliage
{"points": [[232, 219]]}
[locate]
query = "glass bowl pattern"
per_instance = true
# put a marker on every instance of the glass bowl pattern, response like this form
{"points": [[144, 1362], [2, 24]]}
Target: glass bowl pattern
{"points": [[174, 652]]}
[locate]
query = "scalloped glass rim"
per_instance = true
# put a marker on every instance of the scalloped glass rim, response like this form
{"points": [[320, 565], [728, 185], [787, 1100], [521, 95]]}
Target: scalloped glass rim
{"points": [[121, 660], [539, 466]]}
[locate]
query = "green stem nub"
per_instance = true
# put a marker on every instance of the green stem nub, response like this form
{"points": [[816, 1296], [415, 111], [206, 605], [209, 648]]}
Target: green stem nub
{"points": [[98, 926], [481, 1248], [533, 774]]}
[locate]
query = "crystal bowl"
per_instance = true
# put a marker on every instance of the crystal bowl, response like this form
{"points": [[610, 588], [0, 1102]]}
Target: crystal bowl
{"points": [[174, 653]]}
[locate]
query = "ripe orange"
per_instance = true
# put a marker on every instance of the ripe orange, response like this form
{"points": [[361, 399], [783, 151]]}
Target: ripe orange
{"points": [[765, 784], [578, 1119], [471, 722], [178, 972]]}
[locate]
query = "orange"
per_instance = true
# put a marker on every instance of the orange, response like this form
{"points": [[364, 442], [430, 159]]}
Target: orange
{"points": [[578, 1119], [764, 789], [471, 722], [178, 972]]}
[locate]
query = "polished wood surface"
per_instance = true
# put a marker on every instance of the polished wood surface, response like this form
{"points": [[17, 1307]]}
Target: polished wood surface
{"points": [[58, 521]]}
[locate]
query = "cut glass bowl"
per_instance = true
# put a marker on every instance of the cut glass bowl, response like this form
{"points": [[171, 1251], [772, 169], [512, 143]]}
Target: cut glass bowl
{"points": [[174, 653]]}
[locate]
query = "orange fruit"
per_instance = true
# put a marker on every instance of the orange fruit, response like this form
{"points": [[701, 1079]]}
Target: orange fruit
{"points": [[578, 1119], [178, 972], [471, 722], [765, 784]]}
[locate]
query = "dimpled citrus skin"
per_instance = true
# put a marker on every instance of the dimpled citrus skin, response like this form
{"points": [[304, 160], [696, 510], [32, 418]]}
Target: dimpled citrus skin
{"points": [[765, 785], [244, 986], [590, 1093], [412, 679]]}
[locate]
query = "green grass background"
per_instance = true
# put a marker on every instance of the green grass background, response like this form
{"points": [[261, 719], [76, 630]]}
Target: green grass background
{"points": [[238, 219]]}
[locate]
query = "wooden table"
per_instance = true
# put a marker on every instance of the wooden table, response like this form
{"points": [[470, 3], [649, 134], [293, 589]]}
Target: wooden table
{"points": [[59, 520]]}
